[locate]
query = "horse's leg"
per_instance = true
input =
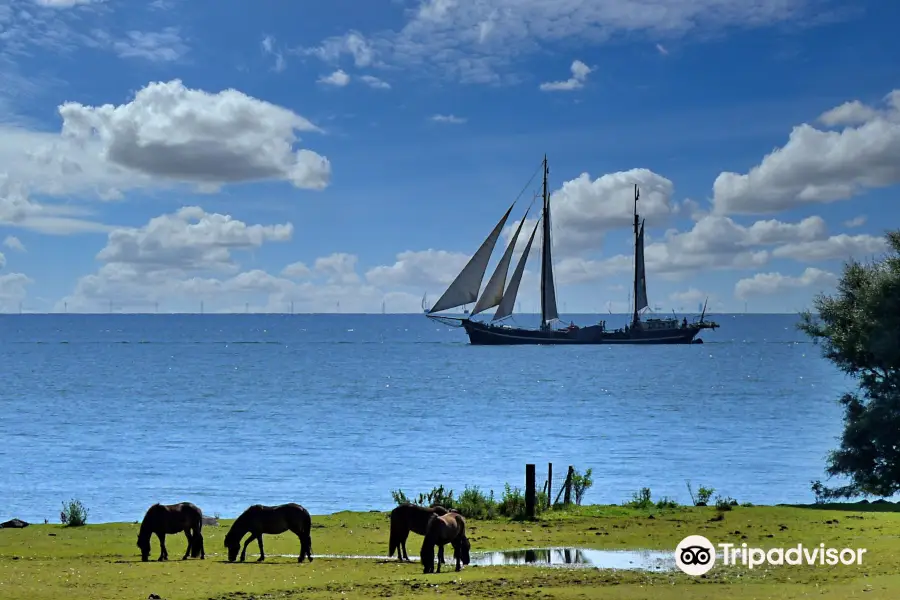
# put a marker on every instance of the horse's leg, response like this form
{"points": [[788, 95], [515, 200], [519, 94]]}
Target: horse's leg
{"points": [[247, 543], [440, 556], [163, 553], [187, 534], [403, 539], [262, 554]]}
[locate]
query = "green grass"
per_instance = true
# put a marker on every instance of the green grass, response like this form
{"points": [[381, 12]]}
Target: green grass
{"points": [[102, 562]]}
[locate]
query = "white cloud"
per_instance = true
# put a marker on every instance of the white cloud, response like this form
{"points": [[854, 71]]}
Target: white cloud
{"points": [[338, 79], [690, 297], [268, 47], [580, 71], [180, 134], [297, 270], [13, 243], [841, 247], [473, 40], [767, 284], [340, 268], [155, 46], [13, 291], [817, 166], [426, 269], [332, 49], [662, 50], [376, 83], [17, 210], [856, 222], [62, 3], [451, 119]]}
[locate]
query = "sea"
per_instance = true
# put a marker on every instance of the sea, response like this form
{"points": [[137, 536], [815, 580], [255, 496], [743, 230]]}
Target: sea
{"points": [[335, 411]]}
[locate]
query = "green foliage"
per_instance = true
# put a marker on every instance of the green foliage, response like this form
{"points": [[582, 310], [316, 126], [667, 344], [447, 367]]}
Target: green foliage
{"points": [[859, 331], [666, 502], [725, 504], [473, 504], [641, 499], [437, 496], [581, 483], [703, 494], [73, 513]]}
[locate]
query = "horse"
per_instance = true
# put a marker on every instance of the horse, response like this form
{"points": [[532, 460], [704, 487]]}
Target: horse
{"points": [[172, 518], [259, 519], [449, 528], [410, 517]]}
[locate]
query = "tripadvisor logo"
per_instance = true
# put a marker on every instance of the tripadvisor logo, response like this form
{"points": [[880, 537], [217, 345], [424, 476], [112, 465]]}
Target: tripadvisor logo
{"points": [[695, 555]]}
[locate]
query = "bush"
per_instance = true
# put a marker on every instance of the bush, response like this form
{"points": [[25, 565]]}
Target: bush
{"points": [[725, 504], [473, 504], [640, 499], [666, 502], [581, 484], [73, 514], [437, 495], [703, 495]]}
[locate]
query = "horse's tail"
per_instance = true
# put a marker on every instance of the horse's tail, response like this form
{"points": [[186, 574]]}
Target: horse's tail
{"points": [[197, 542], [395, 535]]}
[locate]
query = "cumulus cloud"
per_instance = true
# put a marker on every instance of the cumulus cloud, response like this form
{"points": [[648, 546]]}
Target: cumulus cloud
{"points": [[375, 82], [18, 210], [13, 291], [580, 71], [768, 284], [426, 269], [855, 222], [818, 166], [840, 247], [190, 256], [337, 79], [187, 135], [332, 49]]}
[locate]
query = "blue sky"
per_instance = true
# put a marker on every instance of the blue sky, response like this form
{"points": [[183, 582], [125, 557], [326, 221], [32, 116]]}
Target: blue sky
{"points": [[367, 148]]}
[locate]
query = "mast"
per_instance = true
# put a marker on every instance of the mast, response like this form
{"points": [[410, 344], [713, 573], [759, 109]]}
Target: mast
{"points": [[634, 318], [548, 292]]}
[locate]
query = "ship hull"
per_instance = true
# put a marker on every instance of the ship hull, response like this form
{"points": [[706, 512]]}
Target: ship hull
{"points": [[482, 334]]}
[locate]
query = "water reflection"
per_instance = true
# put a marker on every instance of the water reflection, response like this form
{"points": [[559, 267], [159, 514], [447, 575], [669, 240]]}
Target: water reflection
{"points": [[633, 560]]}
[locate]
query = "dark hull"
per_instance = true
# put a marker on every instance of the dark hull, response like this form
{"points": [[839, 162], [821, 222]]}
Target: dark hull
{"points": [[481, 334]]}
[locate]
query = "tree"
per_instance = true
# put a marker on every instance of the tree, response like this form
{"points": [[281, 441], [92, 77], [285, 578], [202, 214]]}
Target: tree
{"points": [[859, 330]]}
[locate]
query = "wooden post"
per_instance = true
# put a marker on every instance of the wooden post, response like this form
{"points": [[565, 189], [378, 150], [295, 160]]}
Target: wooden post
{"points": [[549, 483], [529, 491], [569, 476]]}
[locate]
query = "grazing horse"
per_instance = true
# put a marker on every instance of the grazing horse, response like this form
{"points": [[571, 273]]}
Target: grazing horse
{"points": [[446, 529], [172, 518], [410, 517], [259, 519]]}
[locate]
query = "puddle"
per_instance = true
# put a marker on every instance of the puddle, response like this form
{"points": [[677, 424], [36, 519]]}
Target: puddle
{"points": [[628, 560], [631, 560]]}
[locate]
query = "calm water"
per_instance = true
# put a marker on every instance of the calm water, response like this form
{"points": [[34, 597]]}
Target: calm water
{"points": [[335, 411]]}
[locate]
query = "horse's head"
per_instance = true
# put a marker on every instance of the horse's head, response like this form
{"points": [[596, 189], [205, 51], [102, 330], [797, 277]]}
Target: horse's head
{"points": [[426, 556], [143, 542], [233, 546], [462, 550]]}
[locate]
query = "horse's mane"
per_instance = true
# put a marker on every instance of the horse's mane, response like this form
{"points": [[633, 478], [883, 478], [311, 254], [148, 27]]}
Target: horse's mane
{"points": [[146, 529], [239, 527]]}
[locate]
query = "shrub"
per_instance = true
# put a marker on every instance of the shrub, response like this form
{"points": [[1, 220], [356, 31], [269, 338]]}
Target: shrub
{"points": [[437, 495], [73, 513], [474, 504], [581, 484], [725, 504], [640, 499], [666, 502]]}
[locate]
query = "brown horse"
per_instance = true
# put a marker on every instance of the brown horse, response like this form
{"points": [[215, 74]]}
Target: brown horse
{"points": [[446, 529], [410, 517], [172, 518], [259, 519]]}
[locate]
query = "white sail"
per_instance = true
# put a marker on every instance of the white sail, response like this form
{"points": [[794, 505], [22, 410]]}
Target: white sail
{"points": [[549, 311], [464, 289], [640, 274], [509, 298], [493, 291]]}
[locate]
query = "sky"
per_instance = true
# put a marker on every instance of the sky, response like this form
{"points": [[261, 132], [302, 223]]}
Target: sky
{"points": [[351, 155]]}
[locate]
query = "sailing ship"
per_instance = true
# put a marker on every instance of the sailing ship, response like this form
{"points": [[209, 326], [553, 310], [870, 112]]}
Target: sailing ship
{"points": [[466, 287]]}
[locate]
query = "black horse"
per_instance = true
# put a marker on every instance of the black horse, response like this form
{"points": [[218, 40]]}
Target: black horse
{"points": [[259, 519], [172, 518]]}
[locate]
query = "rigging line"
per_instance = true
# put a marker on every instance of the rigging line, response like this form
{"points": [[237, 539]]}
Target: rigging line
{"points": [[540, 167]]}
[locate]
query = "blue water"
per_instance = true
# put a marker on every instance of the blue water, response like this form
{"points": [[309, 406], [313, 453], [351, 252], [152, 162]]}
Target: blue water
{"points": [[335, 411]]}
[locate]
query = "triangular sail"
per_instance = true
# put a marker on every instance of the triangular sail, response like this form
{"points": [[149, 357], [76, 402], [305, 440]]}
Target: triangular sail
{"points": [[549, 311], [640, 274], [464, 289], [509, 298], [493, 291]]}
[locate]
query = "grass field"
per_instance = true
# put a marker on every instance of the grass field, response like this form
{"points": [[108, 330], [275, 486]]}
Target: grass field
{"points": [[101, 562]]}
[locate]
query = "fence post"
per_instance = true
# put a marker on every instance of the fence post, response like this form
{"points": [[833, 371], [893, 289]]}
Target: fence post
{"points": [[549, 484], [569, 476], [529, 491]]}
